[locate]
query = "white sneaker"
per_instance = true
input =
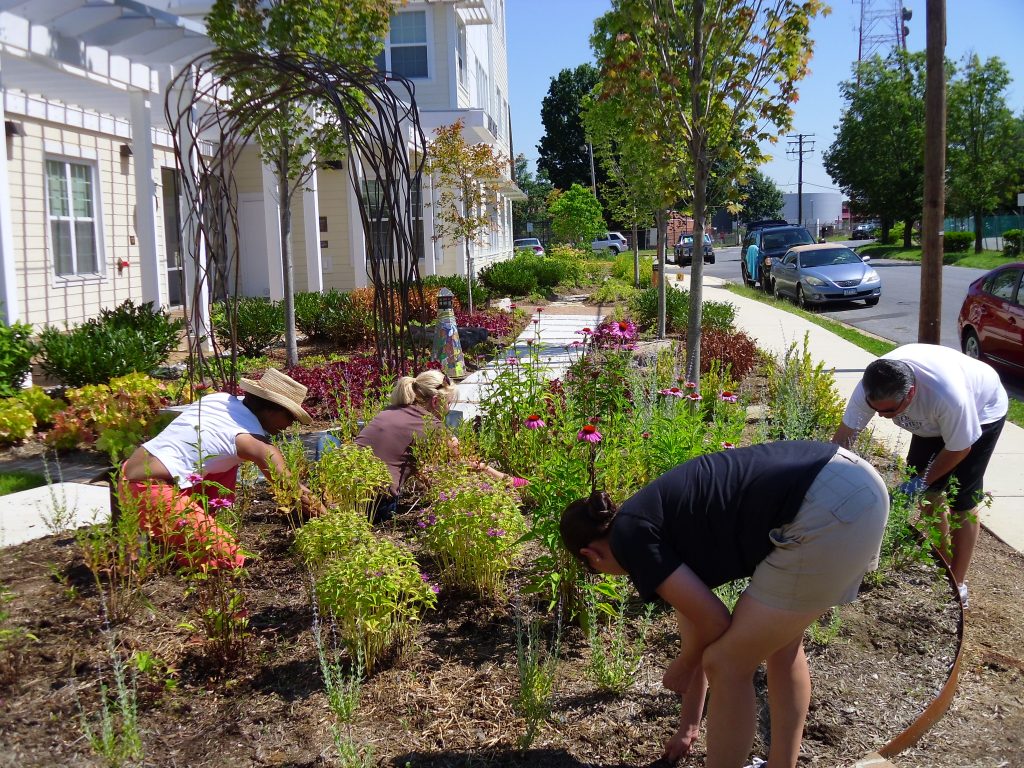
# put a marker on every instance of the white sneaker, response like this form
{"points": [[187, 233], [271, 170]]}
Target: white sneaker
{"points": [[963, 593], [757, 763]]}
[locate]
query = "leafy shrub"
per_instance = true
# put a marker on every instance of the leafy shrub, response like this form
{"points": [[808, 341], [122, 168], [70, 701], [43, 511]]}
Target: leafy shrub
{"points": [[337, 317], [127, 339], [498, 324], [259, 324], [572, 262], [377, 594], [473, 530], [350, 478], [957, 242], [802, 397], [330, 536], [457, 284], [42, 406], [734, 349], [1012, 239], [338, 386], [549, 272], [16, 421], [612, 291], [117, 417], [718, 315], [515, 277], [714, 314], [622, 269], [16, 350]]}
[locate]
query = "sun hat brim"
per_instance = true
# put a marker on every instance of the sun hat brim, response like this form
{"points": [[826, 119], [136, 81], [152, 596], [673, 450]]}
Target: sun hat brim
{"points": [[277, 396]]}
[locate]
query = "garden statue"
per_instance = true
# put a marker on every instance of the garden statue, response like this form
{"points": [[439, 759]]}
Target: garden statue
{"points": [[447, 347]]}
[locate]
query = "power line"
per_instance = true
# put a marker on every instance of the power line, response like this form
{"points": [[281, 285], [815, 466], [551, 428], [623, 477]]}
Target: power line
{"points": [[797, 149]]}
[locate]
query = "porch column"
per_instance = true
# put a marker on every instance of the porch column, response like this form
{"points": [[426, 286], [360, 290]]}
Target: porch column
{"points": [[193, 245], [429, 246], [311, 217], [145, 197], [272, 220], [356, 236], [10, 309]]}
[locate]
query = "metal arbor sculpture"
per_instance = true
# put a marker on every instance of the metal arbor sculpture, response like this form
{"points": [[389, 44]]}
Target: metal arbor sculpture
{"points": [[383, 148]]}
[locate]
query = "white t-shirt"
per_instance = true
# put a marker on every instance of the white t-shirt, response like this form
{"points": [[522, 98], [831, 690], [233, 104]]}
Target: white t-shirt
{"points": [[955, 394], [209, 426]]}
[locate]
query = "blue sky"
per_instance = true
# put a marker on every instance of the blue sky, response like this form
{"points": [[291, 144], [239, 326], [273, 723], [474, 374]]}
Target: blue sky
{"points": [[546, 36]]}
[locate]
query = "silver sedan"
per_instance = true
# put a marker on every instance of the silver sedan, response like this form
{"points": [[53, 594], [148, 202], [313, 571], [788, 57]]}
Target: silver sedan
{"points": [[827, 272]]}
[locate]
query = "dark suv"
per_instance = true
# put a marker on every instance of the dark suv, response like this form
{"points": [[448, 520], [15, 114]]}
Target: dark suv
{"points": [[765, 241], [684, 250]]}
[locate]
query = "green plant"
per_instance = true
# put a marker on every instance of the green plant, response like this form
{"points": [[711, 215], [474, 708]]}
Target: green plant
{"points": [[538, 665], [376, 593], [16, 421], [258, 324], [350, 478], [802, 397], [957, 242], [221, 610], [614, 656], [11, 639], [150, 667], [331, 535], [825, 628], [16, 350], [622, 269], [612, 291], [473, 529], [42, 406], [515, 277], [1012, 239], [117, 738], [12, 482], [120, 341], [334, 317]]}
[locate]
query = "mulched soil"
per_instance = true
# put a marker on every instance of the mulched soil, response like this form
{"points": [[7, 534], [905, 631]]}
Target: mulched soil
{"points": [[448, 699]]}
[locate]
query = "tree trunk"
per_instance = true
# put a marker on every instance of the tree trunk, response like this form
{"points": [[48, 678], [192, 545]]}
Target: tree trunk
{"points": [[979, 231], [288, 272], [662, 220], [636, 256], [701, 171], [908, 232], [469, 274]]}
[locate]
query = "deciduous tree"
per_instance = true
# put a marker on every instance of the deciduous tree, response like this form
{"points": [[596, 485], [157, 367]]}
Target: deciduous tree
{"points": [[563, 153], [576, 216], [467, 175], [980, 130], [290, 136], [708, 82], [760, 198], [877, 157], [534, 209]]}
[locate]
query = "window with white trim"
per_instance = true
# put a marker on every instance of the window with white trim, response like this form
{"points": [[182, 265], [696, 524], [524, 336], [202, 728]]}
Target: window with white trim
{"points": [[408, 44], [71, 214], [482, 89], [460, 54]]}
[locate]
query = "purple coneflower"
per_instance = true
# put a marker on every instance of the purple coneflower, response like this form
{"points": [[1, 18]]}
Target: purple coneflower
{"points": [[694, 397], [671, 392], [584, 331], [690, 384], [589, 433], [727, 445], [220, 503], [534, 421], [729, 397]]}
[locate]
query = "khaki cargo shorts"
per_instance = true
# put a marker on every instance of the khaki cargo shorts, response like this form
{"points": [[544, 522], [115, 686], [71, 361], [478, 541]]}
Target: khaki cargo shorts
{"points": [[820, 558]]}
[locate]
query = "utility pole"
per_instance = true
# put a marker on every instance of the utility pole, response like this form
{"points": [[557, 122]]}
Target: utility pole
{"points": [[797, 150], [593, 176], [929, 321]]}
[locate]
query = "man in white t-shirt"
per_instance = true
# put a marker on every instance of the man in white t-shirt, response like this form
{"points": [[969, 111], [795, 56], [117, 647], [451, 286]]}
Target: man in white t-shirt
{"points": [[955, 408]]}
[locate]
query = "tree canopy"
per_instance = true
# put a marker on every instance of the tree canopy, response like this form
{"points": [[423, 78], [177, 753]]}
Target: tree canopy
{"points": [[760, 198], [534, 209], [563, 154], [576, 215], [877, 157]]}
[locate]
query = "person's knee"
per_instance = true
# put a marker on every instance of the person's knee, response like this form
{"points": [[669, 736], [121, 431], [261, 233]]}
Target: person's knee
{"points": [[721, 662]]}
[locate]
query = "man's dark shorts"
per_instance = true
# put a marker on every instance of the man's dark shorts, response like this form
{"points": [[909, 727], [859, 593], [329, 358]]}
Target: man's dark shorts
{"points": [[970, 473]]}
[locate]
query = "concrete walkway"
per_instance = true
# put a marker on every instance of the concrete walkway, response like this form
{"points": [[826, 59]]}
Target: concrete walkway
{"points": [[775, 329]]}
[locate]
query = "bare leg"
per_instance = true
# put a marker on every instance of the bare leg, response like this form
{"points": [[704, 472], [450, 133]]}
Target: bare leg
{"points": [[757, 632], [789, 696]]}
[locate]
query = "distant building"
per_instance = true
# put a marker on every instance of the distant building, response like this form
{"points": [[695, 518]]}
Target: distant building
{"points": [[820, 209]]}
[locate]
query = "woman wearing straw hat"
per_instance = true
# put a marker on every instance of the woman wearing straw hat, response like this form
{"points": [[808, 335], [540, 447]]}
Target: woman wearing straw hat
{"points": [[197, 456]]}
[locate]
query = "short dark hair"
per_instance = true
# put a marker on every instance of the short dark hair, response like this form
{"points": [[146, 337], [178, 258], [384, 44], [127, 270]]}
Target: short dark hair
{"points": [[887, 379], [585, 521], [259, 405]]}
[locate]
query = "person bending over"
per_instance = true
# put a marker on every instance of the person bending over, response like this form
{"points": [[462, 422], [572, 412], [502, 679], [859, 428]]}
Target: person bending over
{"points": [[804, 520], [197, 456]]}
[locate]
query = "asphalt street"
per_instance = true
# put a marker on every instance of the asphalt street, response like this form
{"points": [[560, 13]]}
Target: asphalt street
{"points": [[895, 317]]}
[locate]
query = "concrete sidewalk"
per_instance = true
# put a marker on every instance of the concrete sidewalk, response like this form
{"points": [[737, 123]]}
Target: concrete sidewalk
{"points": [[775, 330]]}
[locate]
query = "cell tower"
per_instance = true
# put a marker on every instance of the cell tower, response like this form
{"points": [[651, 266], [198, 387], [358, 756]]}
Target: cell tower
{"points": [[883, 26]]}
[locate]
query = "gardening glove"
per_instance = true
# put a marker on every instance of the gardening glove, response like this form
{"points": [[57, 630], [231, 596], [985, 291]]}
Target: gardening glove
{"points": [[913, 487]]}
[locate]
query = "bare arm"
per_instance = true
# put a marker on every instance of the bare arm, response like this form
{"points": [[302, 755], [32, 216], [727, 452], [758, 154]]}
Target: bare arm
{"points": [[845, 436], [268, 458], [945, 461]]}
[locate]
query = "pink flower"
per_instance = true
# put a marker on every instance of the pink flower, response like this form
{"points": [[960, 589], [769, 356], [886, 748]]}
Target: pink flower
{"points": [[513, 306], [729, 397], [585, 331], [220, 503], [671, 392], [645, 435], [194, 478], [533, 421], [512, 360], [690, 384], [535, 321], [589, 434], [540, 309], [495, 533], [442, 496], [727, 445], [694, 397]]}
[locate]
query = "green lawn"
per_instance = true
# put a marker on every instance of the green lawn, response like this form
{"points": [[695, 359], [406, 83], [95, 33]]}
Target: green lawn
{"points": [[983, 260], [12, 482]]}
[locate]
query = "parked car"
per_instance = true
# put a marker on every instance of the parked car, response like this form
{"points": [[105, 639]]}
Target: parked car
{"points": [[765, 241], [611, 241], [684, 250], [821, 273], [532, 243], [991, 320], [863, 231]]}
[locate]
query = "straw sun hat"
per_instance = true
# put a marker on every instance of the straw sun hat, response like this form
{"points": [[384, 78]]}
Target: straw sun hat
{"points": [[279, 389]]}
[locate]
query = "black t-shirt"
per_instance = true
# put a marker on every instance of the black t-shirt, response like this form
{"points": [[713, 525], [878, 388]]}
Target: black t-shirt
{"points": [[714, 512]]}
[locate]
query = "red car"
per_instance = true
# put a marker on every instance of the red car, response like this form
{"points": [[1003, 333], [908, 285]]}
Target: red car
{"points": [[991, 319]]}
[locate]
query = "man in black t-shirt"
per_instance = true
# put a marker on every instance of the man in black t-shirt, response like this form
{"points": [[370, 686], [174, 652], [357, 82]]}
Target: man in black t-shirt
{"points": [[804, 520]]}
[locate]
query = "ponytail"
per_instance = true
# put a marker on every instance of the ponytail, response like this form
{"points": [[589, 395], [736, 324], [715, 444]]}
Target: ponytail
{"points": [[586, 520], [403, 393], [423, 389]]}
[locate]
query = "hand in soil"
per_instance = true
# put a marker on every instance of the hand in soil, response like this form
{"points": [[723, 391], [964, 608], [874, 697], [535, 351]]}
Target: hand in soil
{"points": [[681, 743]]}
